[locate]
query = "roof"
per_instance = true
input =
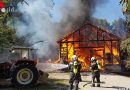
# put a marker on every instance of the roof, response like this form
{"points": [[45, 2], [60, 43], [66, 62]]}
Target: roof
{"points": [[101, 29], [20, 47]]}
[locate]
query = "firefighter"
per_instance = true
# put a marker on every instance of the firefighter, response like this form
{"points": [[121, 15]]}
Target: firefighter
{"points": [[95, 68], [74, 68], [75, 58]]}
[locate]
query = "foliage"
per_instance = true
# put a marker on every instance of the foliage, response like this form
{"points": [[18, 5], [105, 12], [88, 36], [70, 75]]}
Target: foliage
{"points": [[125, 47], [126, 6], [8, 35], [125, 43], [102, 23], [9, 38], [118, 27]]}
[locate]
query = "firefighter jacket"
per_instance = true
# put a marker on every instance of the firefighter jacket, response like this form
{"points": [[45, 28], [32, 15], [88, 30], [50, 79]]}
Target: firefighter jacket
{"points": [[95, 67], [74, 69]]}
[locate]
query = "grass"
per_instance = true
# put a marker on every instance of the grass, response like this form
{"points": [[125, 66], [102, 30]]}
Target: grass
{"points": [[51, 84]]}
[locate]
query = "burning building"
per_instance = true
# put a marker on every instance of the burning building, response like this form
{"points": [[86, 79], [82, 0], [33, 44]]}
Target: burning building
{"points": [[90, 40]]}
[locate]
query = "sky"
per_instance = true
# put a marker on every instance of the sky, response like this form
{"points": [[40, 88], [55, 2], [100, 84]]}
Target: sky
{"points": [[56, 10], [111, 10]]}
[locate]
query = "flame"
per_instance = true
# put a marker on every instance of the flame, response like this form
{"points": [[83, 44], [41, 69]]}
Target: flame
{"points": [[84, 54], [81, 53]]}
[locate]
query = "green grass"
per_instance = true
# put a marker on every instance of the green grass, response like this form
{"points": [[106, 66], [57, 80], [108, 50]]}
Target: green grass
{"points": [[51, 84]]}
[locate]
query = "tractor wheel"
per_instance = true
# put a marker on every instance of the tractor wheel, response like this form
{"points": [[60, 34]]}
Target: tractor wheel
{"points": [[24, 76]]}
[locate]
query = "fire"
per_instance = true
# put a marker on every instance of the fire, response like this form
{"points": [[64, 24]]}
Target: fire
{"points": [[84, 54], [85, 44]]}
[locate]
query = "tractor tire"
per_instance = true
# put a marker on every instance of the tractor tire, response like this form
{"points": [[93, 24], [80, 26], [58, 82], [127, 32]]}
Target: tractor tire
{"points": [[24, 76]]}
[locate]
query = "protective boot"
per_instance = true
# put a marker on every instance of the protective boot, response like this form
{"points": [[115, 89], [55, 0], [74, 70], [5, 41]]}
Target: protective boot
{"points": [[93, 84], [76, 87], [71, 87], [98, 84]]}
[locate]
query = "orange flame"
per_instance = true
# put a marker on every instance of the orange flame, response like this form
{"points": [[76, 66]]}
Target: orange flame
{"points": [[84, 54]]}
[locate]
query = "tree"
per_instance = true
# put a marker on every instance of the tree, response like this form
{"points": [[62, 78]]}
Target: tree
{"points": [[125, 44], [102, 23], [126, 6], [119, 27], [7, 37]]}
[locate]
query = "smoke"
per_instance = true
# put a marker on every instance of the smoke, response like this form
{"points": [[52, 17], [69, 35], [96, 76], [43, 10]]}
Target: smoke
{"points": [[36, 18], [50, 67], [77, 12]]}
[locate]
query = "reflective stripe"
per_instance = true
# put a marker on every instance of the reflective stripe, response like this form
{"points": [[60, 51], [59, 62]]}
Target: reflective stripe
{"points": [[75, 70], [99, 67], [95, 70]]}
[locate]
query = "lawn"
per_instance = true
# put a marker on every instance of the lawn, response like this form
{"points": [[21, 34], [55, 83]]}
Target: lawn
{"points": [[51, 84]]}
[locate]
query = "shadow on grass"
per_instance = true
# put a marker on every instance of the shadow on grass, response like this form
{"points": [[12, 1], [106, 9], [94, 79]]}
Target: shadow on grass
{"points": [[102, 82], [116, 87], [127, 74], [51, 84], [90, 82]]}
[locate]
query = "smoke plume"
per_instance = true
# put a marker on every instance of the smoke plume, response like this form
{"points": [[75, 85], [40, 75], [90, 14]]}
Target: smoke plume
{"points": [[77, 12], [36, 18]]}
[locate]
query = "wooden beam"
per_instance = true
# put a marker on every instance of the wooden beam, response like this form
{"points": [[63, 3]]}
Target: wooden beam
{"points": [[67, 52], [111, 51], [89, 47], [87, 41]]}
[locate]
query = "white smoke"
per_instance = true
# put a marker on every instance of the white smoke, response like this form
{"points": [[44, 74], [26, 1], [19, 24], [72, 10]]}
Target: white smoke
{"points": [[36, 19], [50, 67]]}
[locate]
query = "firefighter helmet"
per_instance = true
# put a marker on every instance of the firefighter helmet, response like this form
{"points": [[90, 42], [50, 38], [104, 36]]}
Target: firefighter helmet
{"points": [[74, 58], [93, 59]]}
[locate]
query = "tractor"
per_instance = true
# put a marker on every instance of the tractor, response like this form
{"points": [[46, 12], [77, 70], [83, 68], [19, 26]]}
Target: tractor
{"points": [[21, 67]]}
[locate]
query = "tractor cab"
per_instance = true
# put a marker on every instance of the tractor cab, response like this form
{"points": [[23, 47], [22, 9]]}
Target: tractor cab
{"points": [[23, 55]]}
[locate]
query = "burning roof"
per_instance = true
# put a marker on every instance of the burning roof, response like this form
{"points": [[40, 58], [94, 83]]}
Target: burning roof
{"points": [[101, 29]]}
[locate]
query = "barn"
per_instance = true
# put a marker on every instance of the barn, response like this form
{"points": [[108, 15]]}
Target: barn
{"points": [[88, 41]]}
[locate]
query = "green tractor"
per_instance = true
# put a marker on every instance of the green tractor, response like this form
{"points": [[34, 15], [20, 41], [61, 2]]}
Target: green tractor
{"points": [[22, 69]]}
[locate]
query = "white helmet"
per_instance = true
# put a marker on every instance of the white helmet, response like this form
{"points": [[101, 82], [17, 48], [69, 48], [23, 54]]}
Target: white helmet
{"points": [[93, 59], [74, 57]]}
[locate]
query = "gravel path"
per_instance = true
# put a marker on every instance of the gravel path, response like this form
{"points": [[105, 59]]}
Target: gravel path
{"points": [[108, 81]]}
